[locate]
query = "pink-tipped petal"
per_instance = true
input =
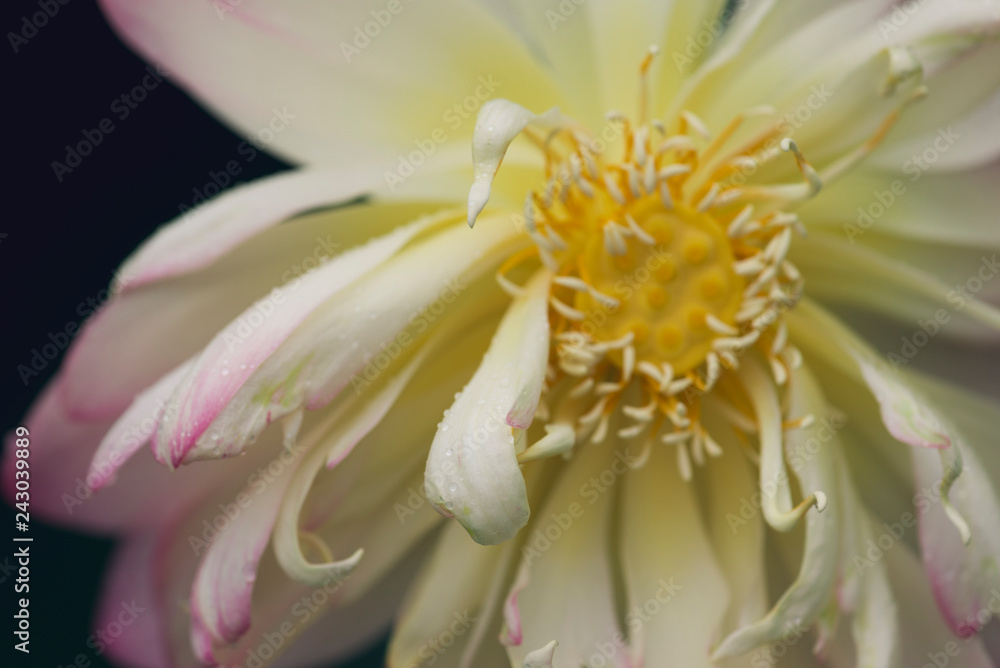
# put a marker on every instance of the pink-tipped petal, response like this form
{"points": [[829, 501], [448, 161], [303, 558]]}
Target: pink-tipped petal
{"points": [[141, 334], [145, 494], [316, 360], [244, 346], [206, 233], [306, 80], [905, 416], [133, 429], [221, 595]]}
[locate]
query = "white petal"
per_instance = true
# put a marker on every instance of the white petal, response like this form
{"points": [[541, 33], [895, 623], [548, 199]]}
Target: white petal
{"points": [[923, 637], [472, 470], [808, 596], [242, 347], [864, 589], [675, 593], [343, 83], [144, 332], [222, 591], [777, 504], [498, 123], [735, 526], [886, 285], [940, 209], [207, 232], [565, 588], [336, 341], [956, 500], [903, 413], [962, 576], [457, 591]]}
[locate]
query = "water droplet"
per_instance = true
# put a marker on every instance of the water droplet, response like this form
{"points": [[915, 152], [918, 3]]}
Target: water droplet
{"points": [[452, 487], [444, 427], [448, 505], [225, 372], [448, 452]]}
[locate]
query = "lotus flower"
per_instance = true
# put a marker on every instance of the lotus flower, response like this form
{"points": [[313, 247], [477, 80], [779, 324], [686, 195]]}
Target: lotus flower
{"points": [[648, 438]]}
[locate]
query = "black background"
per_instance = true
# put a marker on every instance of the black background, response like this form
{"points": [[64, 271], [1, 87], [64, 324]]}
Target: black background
{"points": [[64, 241]]}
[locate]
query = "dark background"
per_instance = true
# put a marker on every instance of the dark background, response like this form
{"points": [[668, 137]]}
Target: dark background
{"points": [[63, 242]]}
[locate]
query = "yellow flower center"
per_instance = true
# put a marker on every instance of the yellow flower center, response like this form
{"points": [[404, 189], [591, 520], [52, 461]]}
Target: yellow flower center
{"points": [[668, 267], [667, 285]]}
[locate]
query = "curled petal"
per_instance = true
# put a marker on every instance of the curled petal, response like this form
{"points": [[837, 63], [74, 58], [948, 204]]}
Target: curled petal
{"points": [[472, 470], [356, 419], [499, 122], [808, 596], [323, 353]]}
